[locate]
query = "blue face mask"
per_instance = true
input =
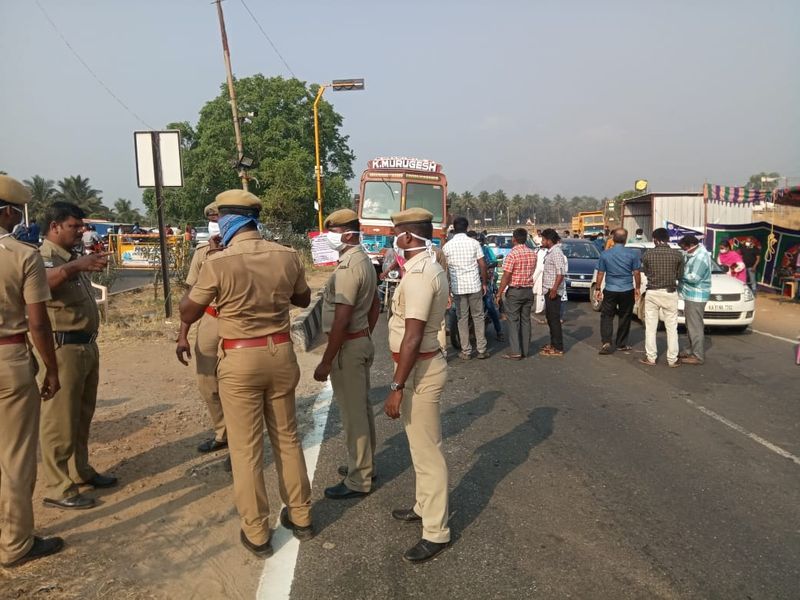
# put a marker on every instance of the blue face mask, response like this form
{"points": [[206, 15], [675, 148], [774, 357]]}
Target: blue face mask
{"points": [[230, 224]]}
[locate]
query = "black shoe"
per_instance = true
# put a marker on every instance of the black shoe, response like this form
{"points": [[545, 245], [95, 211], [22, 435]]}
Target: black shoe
{"points": [[76, 502], [212, 445], [262, 551], [102, 481], [41, 547], [341, 492], [343, 471], [406, 514], [606, 350], [424, 550], [301, 533], [483, 355]]}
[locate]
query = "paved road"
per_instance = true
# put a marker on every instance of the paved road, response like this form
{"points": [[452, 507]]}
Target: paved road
{"points": [[128, 279], [584, 477]]}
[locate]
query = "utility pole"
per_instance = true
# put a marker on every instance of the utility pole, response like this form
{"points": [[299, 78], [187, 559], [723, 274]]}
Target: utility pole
{"points": [[162, 235], [232, 93]]}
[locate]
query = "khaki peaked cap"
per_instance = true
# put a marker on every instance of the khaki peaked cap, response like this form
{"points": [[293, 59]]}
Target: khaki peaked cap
{"points": [[411, 216], [13, 192], [211, 209], [341, 217], [237, 199]]}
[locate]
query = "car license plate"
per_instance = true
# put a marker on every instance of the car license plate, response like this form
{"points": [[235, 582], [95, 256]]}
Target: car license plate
{"points": [[714, 307], [580, 284]]}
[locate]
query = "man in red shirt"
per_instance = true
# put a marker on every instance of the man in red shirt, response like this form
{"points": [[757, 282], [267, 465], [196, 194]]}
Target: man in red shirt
{"points": [[517, 282]]}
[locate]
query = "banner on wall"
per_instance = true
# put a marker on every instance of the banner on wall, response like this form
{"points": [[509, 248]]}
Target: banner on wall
{"points": [[778, 247], [676, 232]]}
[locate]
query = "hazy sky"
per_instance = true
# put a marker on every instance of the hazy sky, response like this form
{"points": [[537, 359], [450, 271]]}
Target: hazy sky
{"points": [[571, 97]]}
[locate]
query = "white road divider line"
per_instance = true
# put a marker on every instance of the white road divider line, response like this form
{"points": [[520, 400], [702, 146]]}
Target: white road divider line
{"points": [[278, 574], [767, 444], [777, 337]]}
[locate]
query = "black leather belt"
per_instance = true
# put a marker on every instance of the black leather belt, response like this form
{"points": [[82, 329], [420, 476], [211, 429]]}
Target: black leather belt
{"points": [[74, 337]]}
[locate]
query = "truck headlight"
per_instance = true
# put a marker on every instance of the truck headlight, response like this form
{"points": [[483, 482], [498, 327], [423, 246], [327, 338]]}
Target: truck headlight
{"points": [[747, 296]]}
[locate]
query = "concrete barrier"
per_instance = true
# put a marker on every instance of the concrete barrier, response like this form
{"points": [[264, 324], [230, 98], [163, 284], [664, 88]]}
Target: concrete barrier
{"points": [[307, 324]]}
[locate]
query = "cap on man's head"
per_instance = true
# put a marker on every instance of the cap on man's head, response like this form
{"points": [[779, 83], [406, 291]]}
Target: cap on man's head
{"points": [[211, 209], [237, 199], [411, 216], [13, 192], [341, 217]]}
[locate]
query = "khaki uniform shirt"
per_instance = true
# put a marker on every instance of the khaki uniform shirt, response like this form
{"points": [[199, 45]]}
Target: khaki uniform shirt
{"points": [[353, 283], [422, 294], [199, 257], [252, 281], [22, 281], [73, 306]]}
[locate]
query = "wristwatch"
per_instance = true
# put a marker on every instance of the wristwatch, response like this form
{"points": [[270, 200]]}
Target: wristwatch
{"points": [[395, 387]]}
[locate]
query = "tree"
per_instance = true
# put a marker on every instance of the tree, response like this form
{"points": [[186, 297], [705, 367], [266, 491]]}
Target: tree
{"points": [[124, 212], [78, 190], [756, 181], [279, 137], [43, 193]]}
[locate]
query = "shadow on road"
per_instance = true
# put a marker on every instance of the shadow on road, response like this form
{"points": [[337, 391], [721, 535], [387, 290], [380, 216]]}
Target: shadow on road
{"points": [[496, 460]]}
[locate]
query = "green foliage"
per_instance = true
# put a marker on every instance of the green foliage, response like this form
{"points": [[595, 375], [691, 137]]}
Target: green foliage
{"points": [[505, 212], [124, 212], [43, 192], [755, 183], [280, 137]]}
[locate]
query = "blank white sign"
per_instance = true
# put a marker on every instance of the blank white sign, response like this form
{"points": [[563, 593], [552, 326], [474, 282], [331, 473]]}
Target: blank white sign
{"points": [[171, 168]]}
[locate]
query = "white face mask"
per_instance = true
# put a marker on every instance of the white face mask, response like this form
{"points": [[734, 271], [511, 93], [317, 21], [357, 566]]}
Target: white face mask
{"points": [[401, 252], [213, 228], [335, 240]]}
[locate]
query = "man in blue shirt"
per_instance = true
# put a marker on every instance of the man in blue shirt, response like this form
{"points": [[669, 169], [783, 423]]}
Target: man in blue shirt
{"points": [[620, 268]]}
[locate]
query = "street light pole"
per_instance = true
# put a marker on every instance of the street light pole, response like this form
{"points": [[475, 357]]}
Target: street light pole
{"points": [[232, 93], [318, 168]]}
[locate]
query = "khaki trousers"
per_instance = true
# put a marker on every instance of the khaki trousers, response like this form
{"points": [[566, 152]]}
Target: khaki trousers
{"points": [[661, 305], [66, 419], [206, 347], [350, 381], [19, 421], [257, 385], [421, 413]]}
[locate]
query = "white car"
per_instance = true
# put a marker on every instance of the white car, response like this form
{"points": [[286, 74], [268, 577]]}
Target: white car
{"points": [[732, 303]]}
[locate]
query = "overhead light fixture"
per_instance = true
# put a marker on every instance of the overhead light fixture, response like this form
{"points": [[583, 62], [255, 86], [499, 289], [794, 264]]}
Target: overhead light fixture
{"points": [[341, 85]]}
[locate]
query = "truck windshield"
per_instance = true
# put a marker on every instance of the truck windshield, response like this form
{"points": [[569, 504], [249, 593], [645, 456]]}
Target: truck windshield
{"points": [[427, 196], [381, 199]]}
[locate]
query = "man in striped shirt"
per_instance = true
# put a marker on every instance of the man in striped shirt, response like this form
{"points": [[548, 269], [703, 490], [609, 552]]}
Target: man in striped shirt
{"points": [[517, 282], [695, 290]]}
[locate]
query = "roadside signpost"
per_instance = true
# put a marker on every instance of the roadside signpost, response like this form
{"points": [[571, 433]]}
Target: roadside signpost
{"points": [[158, 165]]}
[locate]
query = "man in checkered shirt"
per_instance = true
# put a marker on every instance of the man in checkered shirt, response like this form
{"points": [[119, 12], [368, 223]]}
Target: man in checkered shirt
{"points": [[467, 269]]}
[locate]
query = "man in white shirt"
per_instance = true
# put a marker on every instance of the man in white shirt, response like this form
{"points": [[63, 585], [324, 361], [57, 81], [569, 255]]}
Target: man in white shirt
{"points": [[468, 285]]}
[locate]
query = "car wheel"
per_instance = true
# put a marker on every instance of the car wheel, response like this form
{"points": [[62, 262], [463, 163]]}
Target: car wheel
{"points": [[593, 298]]}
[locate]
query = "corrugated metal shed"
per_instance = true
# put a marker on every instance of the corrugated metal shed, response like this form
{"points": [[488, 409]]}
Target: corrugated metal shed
{"points": [[687, 210]]}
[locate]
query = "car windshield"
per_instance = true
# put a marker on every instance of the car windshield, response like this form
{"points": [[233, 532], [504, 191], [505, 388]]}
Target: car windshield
{"points": [[427, 196], [381, 199], [500, 241], [580, 250]]}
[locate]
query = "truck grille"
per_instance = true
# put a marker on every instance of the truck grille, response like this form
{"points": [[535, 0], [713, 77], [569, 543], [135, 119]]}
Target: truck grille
{"points": [[725, 298]]}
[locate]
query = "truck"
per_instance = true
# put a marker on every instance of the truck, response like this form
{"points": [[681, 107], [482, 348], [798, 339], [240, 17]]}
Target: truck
{"points": [[395, 183], [589, 223]]}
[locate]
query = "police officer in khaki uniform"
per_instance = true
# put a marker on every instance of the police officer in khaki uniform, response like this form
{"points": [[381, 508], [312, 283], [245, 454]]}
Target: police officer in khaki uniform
{"points": [[206, 346], [23, 285], [420, 374], [66, 419], [350, 310], [254, 282]]}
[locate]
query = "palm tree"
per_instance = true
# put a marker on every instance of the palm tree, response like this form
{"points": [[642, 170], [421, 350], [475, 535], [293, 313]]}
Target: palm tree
{"points": [[42, 195], [77, 190], [123, 211]]}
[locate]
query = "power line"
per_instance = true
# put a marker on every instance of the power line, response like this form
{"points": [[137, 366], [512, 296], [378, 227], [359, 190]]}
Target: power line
{"points": [[264, 33], [89, 69]]}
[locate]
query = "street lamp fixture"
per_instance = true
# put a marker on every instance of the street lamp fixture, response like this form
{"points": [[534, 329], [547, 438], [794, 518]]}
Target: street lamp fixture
{"points": [[337, 85]]}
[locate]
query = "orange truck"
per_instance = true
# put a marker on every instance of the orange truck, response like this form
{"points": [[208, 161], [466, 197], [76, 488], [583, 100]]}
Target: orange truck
{"points": [[394, 183]]}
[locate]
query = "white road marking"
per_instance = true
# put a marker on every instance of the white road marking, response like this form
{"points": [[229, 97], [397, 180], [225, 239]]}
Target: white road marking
{"points": [[777, 337], [767, 444], [278, 575]]}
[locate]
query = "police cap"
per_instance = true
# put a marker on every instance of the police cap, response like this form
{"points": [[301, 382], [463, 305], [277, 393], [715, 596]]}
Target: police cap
{"points": [[211, 209], [238, 199], [13, 192], [412, 216], [341, 217]]}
